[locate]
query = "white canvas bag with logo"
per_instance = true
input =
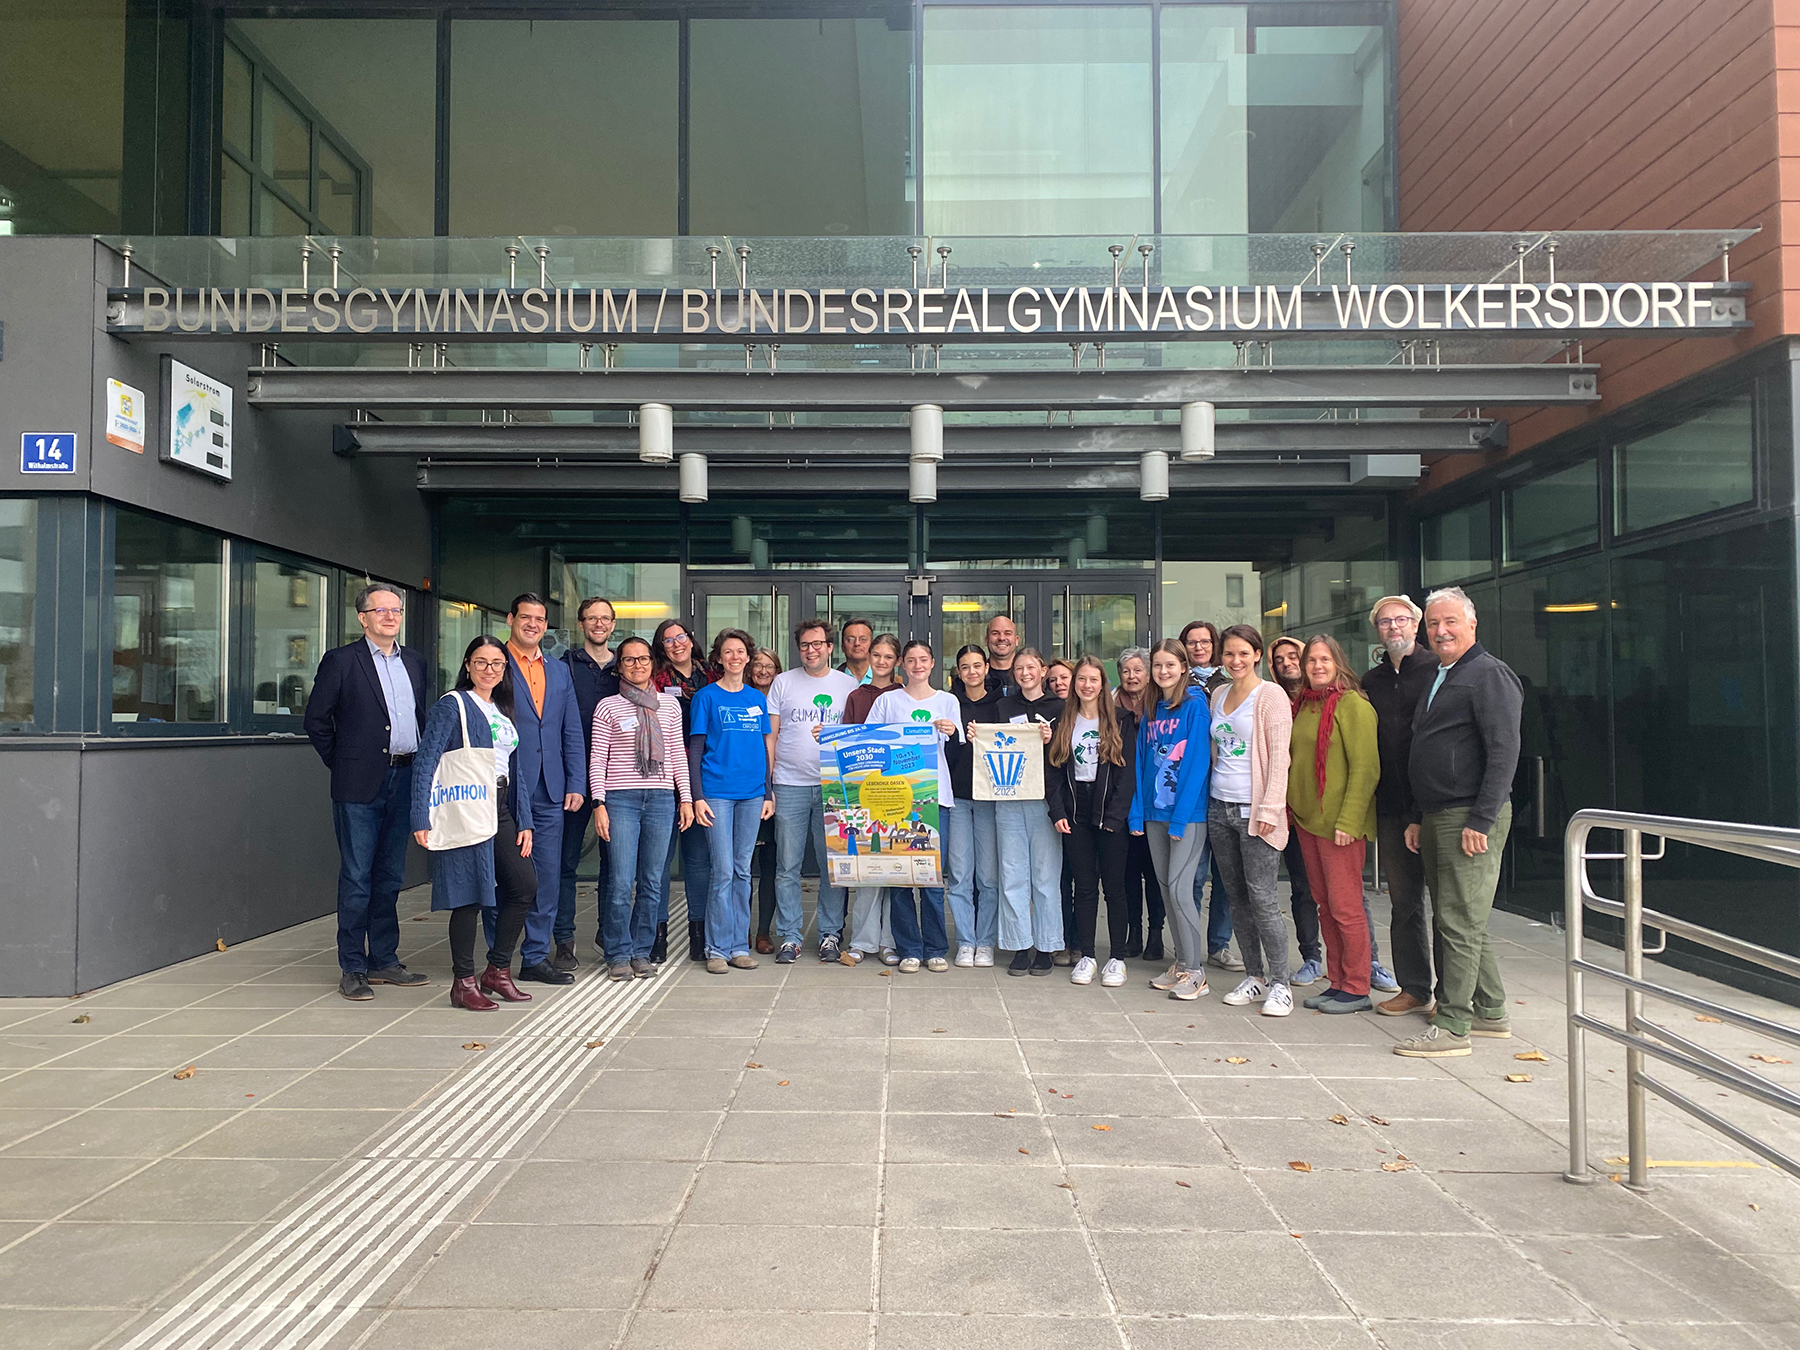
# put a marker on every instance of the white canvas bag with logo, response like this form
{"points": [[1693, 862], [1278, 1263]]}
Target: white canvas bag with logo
{"points": [[463, 810]]}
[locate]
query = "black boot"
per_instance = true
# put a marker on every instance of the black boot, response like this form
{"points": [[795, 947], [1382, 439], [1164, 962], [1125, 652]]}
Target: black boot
{"points": [[659, 949], [1134, 939], [1153, 948], [696, 939]]}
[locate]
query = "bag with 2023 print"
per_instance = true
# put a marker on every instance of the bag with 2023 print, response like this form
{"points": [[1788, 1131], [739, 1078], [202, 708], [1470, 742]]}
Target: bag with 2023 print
{"points": [[463, 810]]}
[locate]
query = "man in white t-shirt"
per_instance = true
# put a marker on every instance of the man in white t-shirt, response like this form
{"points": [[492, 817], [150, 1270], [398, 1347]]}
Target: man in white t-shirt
{"points": [[800, 702]]}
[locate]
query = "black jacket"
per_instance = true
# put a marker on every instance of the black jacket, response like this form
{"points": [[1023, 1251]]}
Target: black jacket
{"points": [[1000, 682], [347, 718], [1396, 695], [1466, 742], [958, 753], [593, 682], [1113, 785]]}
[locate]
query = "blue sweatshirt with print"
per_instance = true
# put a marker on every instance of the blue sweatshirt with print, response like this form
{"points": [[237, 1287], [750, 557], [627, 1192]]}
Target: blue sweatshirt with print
{"points": [[1173, 765]]}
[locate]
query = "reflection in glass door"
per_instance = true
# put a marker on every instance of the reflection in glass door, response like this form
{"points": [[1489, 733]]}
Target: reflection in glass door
{"points": [[762, 611], [1101, 624], [962, 618], [838, 606]]}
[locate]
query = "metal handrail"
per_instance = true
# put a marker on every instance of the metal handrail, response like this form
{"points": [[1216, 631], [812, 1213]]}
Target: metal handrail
{"points": [[1639, 1036]]}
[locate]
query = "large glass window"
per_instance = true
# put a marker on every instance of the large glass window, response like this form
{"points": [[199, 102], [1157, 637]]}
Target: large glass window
{"points": [[563, 127], [1553, 514], [642, 595], [62, 117], [369, 86], [1457, 544], [760, 533], [168, 622], [798, 126], [459, 624], [292, 625], [1002, 534], [1205, 120], [1705, 464], [18, 607], [1037, 121]]}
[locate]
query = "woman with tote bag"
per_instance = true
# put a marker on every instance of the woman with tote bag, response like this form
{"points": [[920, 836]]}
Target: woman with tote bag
{"points": [[452, 790]]}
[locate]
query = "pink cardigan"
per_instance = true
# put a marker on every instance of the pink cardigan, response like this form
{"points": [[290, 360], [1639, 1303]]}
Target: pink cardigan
{"points": [[1269, 751]]}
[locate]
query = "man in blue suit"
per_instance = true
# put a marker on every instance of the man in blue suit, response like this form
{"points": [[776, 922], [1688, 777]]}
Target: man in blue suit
{"points": [[364, 717], [552, 768]]}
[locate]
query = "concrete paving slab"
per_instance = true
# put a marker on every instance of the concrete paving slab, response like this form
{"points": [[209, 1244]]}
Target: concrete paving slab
{"points": [[754, 1267]]}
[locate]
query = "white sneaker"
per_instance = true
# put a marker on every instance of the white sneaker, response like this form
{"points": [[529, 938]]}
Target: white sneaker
{"points": [[1279, 1003], [1084, 971], [1112, 974], [909, 965], [984, 956], [1248, 991], [965, 956], [1191, 987]]}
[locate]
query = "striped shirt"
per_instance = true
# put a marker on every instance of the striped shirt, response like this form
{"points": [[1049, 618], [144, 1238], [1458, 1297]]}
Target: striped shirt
{"points": [[613, 761]]}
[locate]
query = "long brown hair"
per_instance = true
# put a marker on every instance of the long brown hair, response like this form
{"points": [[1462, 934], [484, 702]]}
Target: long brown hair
{"points": [[1062, 740], [1346, 680], [1154, 692]]}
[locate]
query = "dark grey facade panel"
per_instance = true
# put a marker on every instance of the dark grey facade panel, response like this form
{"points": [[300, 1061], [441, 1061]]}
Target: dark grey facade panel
{"points": [[40, 801], [53, 309]]}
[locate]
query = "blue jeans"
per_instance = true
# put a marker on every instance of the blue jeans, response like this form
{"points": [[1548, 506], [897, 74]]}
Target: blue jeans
{"points": [[1030, 852], [696, 873], [641, 821], [799, 815], [575, 832], [371, 840], [733, 840], [1218, 922], [973, 863], [907, 908]]}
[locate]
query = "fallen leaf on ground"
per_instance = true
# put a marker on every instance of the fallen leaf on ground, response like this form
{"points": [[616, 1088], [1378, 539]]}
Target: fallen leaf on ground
{"points": [[419, 918], [939, 1031], [595, 1045], [884, 973], [1185, 1185], [1754, 1205], [1004, 1115], [784, 1082], [1771, 1059], [1613, 1177], [1190, 1026], [1518, 1078], [1237, 1059], [752, 1064], [1026, 1152], [474, 1045], [1339, 1119], [1063, 1185], [1295, 1235], [1102, 1127], [185, 1073], [1068, 1096], [220, 944], [1379, 1120], [1397, 1165], [1301, 1166], [1707, 1017], [1535, 1056], [81, 1017]]}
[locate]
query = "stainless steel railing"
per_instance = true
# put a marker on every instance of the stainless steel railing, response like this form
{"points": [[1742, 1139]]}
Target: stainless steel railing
{"points": [[1639, 1035]]}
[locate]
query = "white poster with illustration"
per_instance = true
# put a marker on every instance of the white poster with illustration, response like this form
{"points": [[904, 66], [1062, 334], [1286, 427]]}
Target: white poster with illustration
{"points": [[1009, 762]]}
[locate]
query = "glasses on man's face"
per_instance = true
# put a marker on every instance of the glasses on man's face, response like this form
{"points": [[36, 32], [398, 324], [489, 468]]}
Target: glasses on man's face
{"points": [[385, 613], [488, 665], [815, 646], [1405, 620]]}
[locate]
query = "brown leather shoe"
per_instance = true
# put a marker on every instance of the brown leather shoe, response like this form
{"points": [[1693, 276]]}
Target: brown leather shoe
{"points": [[764, 943], [1403, 1003], [465, 992], [499, 980]]}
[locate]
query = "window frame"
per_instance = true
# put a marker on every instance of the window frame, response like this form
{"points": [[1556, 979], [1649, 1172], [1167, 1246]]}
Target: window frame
{"points": [[1613, 502], [228, 634], [1507, 563], [249, 555]]}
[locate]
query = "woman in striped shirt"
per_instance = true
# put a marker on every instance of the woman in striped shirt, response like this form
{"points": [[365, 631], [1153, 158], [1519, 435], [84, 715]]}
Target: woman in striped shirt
{"points": [[638, 775]]}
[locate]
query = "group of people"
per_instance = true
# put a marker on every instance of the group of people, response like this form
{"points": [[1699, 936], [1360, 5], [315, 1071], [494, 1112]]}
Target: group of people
{"points": [[1192, 767]]}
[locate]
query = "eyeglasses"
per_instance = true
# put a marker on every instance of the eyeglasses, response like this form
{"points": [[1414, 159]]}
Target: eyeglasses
{"points": [[814, 646], [634, 660], [488, 665], [385, 613], [1400, 622], [676, 639]]}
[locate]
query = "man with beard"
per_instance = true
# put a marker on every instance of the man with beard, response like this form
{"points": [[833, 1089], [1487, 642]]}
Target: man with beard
{"points": [[1395, 685]]}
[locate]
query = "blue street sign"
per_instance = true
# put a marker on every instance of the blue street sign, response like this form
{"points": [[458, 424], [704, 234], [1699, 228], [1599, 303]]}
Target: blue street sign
{"points": [[47, 452]]}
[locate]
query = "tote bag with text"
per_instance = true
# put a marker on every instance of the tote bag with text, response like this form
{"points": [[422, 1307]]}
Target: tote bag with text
{"points": [[463, 810]]}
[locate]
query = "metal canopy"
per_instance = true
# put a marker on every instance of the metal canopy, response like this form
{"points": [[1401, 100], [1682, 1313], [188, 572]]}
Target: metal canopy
{"points": [[530, 442], [1392, 386]]}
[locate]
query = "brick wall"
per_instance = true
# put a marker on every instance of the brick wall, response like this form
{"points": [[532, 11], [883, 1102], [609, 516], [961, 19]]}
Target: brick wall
{"points": [[1609, 115]]}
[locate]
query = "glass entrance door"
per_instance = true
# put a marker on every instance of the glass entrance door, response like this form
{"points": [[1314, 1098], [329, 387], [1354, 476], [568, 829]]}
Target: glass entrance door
{"points": [[1103, 621], [767, 609], [1101, 616]]}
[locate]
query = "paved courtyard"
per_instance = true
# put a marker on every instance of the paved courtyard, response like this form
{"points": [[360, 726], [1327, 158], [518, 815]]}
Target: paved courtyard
{"points": [[812, 1157]]}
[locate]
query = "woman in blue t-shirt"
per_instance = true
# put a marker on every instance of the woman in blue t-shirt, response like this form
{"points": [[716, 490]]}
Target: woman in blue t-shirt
{"points": [[731, 751]]}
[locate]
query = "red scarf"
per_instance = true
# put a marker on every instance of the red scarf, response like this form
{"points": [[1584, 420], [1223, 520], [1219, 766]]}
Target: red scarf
{"points": [[1327, 714]]}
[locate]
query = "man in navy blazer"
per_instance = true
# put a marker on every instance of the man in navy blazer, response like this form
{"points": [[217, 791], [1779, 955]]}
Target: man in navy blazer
{"points": [[364, 717], [551, 766]]}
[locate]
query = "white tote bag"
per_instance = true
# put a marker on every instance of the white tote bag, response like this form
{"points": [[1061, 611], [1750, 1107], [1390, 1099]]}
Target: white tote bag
{"points": [[463, 810]]}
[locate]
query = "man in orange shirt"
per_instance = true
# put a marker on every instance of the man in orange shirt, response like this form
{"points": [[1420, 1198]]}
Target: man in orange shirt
{"points": [[551, 768]]}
